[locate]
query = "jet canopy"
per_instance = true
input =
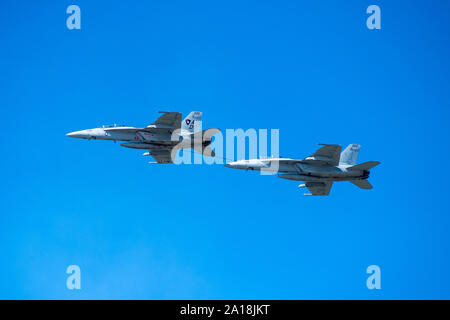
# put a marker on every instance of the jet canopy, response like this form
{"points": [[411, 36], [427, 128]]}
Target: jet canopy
{"points": [[113, 126]]}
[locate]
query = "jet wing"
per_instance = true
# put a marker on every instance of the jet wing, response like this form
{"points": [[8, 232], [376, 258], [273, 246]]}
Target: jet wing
{"points": [[161, 155], [329, 154], [319, 188], [169, 121]]}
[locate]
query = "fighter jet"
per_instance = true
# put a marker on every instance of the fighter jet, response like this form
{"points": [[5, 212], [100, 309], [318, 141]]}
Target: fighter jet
{"points": [[319, 170], [162, 138]]}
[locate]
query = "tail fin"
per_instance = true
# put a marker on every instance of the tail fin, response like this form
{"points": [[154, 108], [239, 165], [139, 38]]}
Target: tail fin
{"points": [[350, 154], [193, 122], [363, 184]]}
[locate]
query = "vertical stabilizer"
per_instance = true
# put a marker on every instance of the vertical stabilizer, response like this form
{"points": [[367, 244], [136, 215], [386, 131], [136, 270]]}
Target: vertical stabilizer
{"points": [[350, 154], [193, 122]]}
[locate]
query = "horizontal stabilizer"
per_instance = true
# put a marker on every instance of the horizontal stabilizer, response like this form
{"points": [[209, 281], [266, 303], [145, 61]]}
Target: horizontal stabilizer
{"points": [[363, 184], [365, 166], [205, 135], [205, 150]]}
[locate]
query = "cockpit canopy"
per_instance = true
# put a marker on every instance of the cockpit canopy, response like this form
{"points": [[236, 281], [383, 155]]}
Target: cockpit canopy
{"points": [[113, 125]]}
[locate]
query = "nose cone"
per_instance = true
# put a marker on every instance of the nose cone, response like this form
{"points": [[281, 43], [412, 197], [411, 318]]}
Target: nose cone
{"points": [[229, 165], [235, 165], [78, 134]]}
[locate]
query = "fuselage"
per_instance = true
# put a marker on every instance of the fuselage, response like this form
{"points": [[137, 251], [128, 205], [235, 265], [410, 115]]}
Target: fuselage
{"points": [[299, 170], [137, 138]]}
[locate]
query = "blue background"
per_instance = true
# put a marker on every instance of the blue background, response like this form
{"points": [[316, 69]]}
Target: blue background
{"points": [[310, 68]]}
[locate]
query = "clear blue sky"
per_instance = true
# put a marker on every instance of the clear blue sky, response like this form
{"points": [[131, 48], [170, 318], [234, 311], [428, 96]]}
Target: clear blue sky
{"points": [[310, 68]]}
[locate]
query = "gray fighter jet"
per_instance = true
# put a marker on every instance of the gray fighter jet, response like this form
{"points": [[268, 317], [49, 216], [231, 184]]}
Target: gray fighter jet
{"points": [[319, 170], [162, 138]]}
